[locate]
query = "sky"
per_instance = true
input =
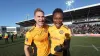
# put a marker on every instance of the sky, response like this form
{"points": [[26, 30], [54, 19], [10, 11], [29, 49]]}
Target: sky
{"points": [[13, 11]]}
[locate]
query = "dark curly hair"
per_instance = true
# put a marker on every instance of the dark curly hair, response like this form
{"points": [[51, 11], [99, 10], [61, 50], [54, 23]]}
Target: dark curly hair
{"points": [[58, 10]]}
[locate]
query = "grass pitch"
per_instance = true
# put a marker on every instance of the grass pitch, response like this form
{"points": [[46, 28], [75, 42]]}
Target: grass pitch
{"points": [[80, 46]]}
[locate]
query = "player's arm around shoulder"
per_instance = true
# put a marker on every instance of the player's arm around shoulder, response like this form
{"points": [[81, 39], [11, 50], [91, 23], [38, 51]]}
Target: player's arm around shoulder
{"points": [[49, 31], [49, 28], [49, 38]]}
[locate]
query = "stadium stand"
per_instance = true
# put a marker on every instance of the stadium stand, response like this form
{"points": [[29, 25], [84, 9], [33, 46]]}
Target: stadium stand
{"points": [[85, 19], [86, 29]]}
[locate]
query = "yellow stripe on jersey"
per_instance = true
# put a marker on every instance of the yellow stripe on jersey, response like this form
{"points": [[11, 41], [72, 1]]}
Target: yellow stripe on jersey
{"points": [[40, 38], [57, 37]]}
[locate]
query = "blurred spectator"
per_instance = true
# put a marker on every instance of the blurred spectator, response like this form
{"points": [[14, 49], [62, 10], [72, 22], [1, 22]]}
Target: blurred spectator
{"points": [[0, 36], [6, 37], [15, 35], [85, 29], [11, 36]]}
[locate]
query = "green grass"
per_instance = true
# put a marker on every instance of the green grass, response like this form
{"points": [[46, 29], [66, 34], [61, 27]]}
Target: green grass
{"points": [[83, 46], [80, 46], [12, 49]]}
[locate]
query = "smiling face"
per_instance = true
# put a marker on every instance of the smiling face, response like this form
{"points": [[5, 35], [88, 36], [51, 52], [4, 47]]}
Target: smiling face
{"points": [[39, 18], [57, 19]]}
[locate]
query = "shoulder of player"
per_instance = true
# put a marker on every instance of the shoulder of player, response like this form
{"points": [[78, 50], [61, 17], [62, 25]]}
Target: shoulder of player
{"points": [[31, 29], [66, 27], [50, 28]]}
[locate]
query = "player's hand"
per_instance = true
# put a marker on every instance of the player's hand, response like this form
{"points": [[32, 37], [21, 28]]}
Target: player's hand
{"points": [[58, 48], [67, 35], [65, 44]]}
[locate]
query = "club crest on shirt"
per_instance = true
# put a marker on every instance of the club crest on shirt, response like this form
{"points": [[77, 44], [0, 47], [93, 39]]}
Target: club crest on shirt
{"points": [[61, 31]]}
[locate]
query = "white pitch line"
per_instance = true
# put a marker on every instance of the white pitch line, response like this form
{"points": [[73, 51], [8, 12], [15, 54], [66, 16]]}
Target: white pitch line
{"points": [[98, 47], [82, 46], [95, 47]]}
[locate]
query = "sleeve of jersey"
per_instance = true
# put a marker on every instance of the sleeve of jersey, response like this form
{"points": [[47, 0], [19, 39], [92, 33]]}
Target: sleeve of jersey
{"points": [[28, 38], [68, 34]]}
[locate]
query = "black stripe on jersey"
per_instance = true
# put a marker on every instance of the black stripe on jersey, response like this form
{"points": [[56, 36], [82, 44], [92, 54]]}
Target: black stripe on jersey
{"points": [[35, 49], [65, 27]]}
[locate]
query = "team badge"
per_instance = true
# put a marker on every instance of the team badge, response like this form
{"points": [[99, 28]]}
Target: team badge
{"points": [[61, 31]]}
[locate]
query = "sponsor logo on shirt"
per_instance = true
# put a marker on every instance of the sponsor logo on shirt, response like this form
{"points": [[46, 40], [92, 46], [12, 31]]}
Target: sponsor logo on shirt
{"points": [[55, 38], [61, 31]]}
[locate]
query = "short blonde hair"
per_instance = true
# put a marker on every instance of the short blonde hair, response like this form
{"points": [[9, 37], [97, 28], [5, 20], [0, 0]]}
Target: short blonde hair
{"points": [[38, 10]]}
